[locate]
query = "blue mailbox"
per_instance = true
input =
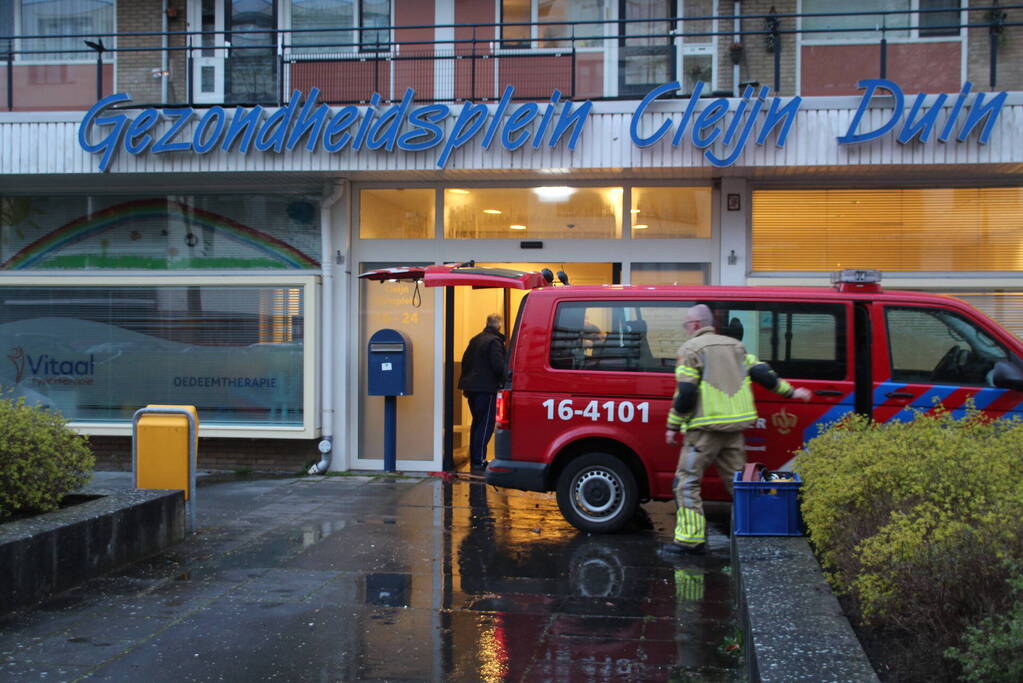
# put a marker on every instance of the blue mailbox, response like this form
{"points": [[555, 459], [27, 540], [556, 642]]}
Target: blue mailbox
{"points": [[390, 364]]}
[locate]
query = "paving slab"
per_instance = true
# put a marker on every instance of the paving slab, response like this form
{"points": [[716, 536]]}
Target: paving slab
{"points": [[367, 578]]}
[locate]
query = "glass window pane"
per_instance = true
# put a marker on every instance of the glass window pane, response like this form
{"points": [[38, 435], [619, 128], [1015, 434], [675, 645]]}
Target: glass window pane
{"points": [[697, 69], [390, 305], [698, 9], [932, 346], [669, 273], [671, 212], [799, 341], [937, 229], [375, 14], [533, 213], [551, 12], [517, 12], [160, 233], [101, 353], [617, 336], [939, 23], [61, 20], [314, 16], [641, 28], [858, 27], [396, 214]]}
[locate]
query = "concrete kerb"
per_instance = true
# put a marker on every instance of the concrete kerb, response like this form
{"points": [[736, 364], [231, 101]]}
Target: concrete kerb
{"points": [[55, 551], [793, 626]]}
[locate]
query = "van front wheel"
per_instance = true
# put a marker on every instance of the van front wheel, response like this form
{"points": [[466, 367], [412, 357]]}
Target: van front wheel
{"points": [[597, 492]]}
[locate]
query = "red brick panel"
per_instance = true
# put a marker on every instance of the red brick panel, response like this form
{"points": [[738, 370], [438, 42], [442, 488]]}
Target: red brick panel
{"points": [[348, 81], [916, 67], [55, 87]]}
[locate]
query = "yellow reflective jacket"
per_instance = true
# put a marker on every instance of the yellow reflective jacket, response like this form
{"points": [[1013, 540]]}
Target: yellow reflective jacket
{"points": [[719, 368]]}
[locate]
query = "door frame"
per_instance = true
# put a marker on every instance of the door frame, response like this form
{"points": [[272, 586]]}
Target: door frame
{"points": [[437, 250], [218, 60]]}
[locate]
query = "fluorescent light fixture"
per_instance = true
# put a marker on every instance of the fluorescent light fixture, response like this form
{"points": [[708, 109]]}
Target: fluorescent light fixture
{"points": [[517, 227], [640, 226], [553, 193], [495, 212], [457, 191], [633, 210]]}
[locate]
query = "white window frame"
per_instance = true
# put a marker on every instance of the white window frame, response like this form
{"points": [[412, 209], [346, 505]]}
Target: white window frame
{"points": [[109, 57], [692, 49], [310, 285], [913, 37]]}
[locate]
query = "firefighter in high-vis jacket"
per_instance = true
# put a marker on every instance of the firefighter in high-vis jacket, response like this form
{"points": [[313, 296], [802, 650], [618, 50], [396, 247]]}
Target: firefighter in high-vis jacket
{"points": [[712, 405]]}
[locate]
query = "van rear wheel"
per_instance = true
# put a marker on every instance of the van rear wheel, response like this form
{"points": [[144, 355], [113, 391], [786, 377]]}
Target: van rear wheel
{"points": [[597, 492]]}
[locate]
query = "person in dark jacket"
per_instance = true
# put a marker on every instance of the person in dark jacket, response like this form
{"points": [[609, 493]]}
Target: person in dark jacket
{"points": [[482, 376]]}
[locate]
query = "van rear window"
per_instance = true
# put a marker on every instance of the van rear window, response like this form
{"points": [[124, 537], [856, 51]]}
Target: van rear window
{"points": [[799, 340]]}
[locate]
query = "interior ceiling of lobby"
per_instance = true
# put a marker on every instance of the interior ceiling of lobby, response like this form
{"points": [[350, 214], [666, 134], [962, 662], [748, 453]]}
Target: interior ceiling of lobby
{"points": [[903, 176]]}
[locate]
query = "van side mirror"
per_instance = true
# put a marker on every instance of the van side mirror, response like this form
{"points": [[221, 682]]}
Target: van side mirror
{"points": [[1007, 375]]}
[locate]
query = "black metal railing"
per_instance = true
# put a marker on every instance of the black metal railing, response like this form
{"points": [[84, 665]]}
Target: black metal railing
{"points": [[265, 66]]}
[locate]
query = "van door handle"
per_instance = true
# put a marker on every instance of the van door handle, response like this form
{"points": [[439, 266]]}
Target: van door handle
{"points": [[828, 392], [899, 394]]}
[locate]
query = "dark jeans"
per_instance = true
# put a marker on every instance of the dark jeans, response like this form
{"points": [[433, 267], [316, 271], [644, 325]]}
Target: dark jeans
{"points": [[483, 406]]}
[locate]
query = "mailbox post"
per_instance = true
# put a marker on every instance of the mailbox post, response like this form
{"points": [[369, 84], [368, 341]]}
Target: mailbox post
{"points": [[390, 376]]}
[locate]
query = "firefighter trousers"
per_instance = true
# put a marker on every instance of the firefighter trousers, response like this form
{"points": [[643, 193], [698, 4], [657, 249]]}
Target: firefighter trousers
{"points": [[701, 448]]}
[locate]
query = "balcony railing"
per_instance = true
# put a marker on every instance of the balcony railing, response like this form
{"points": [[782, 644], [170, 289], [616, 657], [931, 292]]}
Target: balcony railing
{"points": [[590, 59]]}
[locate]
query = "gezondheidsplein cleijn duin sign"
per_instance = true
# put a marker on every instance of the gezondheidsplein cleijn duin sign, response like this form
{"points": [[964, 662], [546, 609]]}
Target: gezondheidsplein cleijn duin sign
{"points": [[732, 122]]}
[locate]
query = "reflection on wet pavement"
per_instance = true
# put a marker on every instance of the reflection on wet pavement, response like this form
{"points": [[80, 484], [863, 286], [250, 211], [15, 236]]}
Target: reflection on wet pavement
{"points": [[360, 578]]}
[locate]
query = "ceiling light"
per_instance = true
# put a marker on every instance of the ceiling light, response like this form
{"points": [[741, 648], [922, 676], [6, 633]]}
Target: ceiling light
{"points": [[641, 226], [633, 210], [492, 211], [517, 227], [454, 191], [553, 193]]}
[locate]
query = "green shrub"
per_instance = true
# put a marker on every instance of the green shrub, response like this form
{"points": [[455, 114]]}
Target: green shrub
{"points": [[41, 459], [993, 650], [915, 521]]}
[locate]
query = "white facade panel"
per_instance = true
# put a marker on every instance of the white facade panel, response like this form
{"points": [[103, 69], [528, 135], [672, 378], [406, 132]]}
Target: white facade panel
{"points": [[29, 145]]}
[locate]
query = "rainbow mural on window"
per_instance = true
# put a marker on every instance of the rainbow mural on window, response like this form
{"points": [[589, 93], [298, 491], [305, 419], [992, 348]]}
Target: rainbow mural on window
{"points": [[159, 233]]}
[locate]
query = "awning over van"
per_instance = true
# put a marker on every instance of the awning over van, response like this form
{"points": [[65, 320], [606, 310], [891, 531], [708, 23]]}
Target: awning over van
{"points": [[455, 275]]}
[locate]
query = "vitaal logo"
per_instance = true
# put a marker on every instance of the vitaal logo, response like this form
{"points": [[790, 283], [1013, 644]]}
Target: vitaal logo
{"points": [[17, 356], [47, 369]]}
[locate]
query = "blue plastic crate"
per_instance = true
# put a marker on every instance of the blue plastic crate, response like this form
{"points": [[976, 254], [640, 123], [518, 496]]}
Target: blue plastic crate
{"points": [[766, 508]]}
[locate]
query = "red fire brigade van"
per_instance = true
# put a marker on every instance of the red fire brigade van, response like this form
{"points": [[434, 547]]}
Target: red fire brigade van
{"points": [[591, 377]]}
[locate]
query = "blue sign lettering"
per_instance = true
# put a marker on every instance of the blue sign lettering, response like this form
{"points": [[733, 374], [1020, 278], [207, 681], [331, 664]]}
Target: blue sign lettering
{"points": [[921, 125], [718, 129]]}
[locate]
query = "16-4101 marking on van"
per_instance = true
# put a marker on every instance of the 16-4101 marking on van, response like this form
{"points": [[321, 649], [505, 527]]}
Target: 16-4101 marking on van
{"points": [[610, 411]]}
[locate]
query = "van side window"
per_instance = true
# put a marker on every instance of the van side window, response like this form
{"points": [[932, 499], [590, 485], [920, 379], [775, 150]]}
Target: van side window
{"points": [[937, 346], [798, 340], [627, 336]]}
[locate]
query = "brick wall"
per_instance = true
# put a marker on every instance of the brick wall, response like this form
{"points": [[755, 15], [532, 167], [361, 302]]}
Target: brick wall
{"points": [[258, 455], [1010, 54], [758, 63], [135, 69]]}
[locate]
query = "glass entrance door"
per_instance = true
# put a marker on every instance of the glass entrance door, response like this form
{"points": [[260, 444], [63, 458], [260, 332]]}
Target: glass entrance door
{"points": [[469, 311], [207, 17], [251, 70], [646, 52]]}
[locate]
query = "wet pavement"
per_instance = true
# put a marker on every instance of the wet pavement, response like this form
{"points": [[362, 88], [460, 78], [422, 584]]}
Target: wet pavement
{"points": [[382, 578]]}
